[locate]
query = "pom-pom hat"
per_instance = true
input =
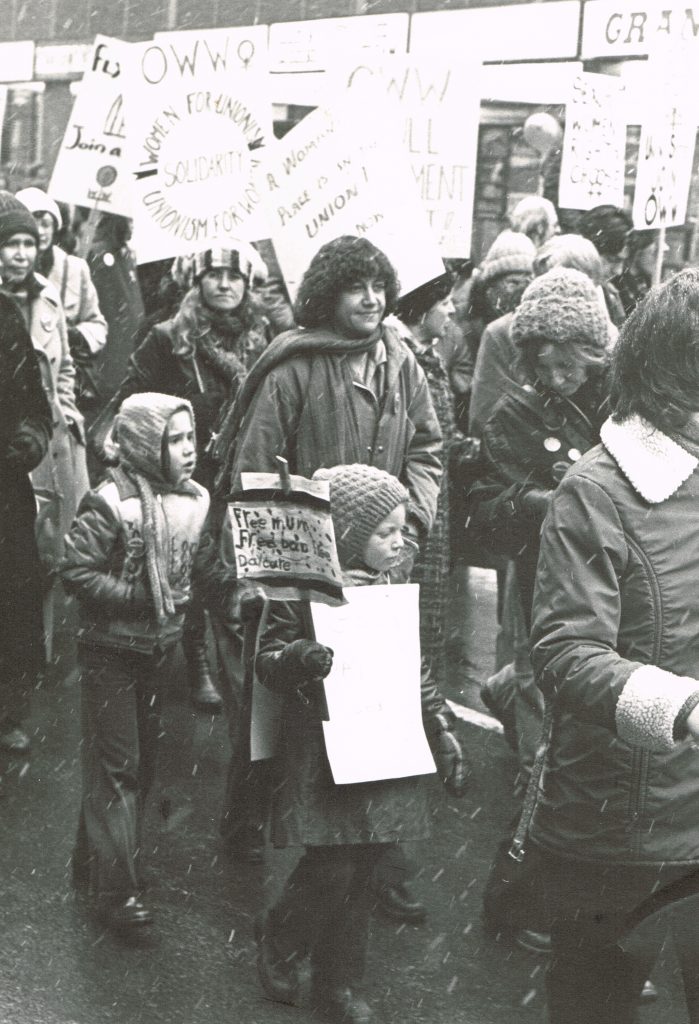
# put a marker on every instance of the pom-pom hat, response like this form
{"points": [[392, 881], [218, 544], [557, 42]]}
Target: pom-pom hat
{"points": [[360, 498], [15, 219]]}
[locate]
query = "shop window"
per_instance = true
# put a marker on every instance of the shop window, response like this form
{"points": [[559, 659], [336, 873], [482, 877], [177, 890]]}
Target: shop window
{"points": [[20, 152]]}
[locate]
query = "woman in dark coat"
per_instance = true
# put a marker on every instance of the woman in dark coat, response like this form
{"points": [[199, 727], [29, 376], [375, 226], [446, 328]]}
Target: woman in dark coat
{"points": [[615, 648], [25, 431]]}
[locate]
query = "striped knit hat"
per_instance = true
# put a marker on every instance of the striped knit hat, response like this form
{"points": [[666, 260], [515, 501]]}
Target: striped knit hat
{"points": [[360, 498], [238, 256]]}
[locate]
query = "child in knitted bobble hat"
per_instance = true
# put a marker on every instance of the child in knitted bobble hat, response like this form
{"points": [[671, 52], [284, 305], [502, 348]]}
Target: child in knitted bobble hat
{"points": [[129, 558], [326, 904]]}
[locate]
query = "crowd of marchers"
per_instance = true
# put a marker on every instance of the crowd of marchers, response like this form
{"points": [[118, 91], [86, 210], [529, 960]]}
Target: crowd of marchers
{"points": [[536, 415]]}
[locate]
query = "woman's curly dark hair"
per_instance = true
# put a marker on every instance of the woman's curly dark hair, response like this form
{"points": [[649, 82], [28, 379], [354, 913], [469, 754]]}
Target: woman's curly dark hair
{"points": [[336, 266], [655, 367]]}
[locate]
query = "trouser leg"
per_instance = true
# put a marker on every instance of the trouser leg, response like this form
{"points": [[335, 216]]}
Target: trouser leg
{"points": [[325, 910], [121, 703]]}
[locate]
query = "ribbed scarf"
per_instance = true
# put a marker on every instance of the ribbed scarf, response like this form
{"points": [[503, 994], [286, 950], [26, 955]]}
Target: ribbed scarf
{"points": [[298, 342]]}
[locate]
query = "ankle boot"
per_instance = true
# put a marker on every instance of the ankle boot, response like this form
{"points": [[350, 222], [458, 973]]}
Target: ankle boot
{"points": [[202, 689], [339, 1004]]}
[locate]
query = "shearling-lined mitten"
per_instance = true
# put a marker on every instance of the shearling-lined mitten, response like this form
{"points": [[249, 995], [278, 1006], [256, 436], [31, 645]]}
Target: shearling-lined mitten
{"points": [[649, 706]]}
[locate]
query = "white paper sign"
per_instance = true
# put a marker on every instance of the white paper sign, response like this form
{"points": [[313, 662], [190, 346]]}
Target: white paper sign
{"points": [[342, 171], [592, 162], [434, 97], [90, 168], [668, 135], [197, 112], [373, 691]]}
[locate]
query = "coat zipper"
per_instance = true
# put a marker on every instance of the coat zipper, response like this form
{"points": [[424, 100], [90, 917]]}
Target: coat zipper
{"points": [[640, 759]]}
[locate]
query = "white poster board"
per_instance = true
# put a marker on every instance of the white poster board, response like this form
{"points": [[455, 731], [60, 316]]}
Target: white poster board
{"points": [[375, 729], [90, 168], [439, 105], [343, 171], [592, 161], [197, 112], [668, 135]]}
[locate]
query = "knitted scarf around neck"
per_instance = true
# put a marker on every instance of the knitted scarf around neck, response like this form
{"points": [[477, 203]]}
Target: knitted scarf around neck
{"points": [[154, 541], [297, 342], [213, 336]]}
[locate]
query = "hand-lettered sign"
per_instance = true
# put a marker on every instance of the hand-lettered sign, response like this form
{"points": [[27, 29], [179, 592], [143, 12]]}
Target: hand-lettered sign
{"points": [[284, 542], [592, 162], [197, 113]]}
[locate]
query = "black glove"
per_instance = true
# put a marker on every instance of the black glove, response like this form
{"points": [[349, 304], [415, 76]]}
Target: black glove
{"points": [[452, 764], [307, 659]]}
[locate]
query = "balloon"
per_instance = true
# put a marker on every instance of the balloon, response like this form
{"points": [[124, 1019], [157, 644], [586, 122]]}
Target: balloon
{"points": [[542, 132]]}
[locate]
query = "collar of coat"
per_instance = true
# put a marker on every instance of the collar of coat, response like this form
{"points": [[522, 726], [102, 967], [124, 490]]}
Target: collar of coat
{"points": [[654, 464]]}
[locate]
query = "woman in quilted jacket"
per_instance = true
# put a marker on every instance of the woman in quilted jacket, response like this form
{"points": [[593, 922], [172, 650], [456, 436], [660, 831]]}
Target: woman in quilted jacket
{"points": [[615, 648]]}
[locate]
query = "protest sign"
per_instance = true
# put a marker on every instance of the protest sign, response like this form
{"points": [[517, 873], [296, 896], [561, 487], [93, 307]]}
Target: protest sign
{"points": [[90, 169], [375, 729], [343, 171], [283, 541], [592, 162], [434, 97], [668, 135], [197, 113]]}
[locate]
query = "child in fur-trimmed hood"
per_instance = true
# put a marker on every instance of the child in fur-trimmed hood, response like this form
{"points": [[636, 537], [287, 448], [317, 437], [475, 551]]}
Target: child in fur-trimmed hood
{"points": [[129, 558]]}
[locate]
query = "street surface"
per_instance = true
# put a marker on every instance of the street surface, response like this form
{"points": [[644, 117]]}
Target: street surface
{"points": [[58, 967]]}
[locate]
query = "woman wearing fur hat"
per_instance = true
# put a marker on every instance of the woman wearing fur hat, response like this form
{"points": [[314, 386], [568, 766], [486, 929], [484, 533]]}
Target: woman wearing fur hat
{"points": [[203, 354], [61, 477], [324, 909], [70, 276], [129, 558], [614, 648]]}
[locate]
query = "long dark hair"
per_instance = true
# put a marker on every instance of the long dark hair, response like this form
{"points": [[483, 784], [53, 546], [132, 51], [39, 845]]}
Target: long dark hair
{"points": [[655, 369]]}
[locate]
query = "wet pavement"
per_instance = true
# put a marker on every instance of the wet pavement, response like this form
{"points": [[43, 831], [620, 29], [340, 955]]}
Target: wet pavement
{"points": [[58, 967]]}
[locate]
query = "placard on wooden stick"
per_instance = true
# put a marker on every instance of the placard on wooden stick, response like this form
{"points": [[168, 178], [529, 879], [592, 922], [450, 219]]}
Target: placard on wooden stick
{"points": [[280, 535]]}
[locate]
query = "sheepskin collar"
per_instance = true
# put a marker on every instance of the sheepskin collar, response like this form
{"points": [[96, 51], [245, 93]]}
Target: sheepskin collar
{"points": [[654, 464]]}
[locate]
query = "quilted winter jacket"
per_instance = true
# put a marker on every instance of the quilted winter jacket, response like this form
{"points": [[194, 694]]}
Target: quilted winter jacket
{"points": [[104, 563], [615, 646]]}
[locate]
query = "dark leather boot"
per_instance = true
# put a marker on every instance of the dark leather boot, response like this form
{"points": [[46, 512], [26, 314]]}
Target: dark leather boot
{"points": [[399, 904], [278, 976], [202, 689], [129, 918], [339, 1004]]}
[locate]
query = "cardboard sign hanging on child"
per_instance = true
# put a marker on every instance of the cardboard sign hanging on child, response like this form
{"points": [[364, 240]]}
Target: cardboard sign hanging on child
{"points": [[279, 534]]}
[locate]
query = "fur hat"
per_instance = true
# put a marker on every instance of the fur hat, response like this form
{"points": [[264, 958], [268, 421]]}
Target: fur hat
{"points": [[238, 256], [562, 306], [139, 430], [511, 252], [411, 306], [37, 201], [360, 498], [15, 218]]}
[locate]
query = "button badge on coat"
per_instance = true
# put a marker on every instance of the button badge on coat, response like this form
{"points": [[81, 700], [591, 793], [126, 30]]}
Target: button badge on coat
{"points": [[552, 444]]}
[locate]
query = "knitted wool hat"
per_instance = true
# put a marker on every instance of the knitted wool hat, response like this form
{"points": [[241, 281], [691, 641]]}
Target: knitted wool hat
{"points": [[360, 498], [238, 256], [139, 430], [511, 252], [561, 306], [15, 219], [572, 251], [37, 201]]}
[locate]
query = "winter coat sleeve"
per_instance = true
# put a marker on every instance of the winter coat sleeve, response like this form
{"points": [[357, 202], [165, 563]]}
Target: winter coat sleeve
{"points": [[437, 716], [27, 413], [65, 380], [271, 423], [422, 472], [90, 549], [576, 617], [148, 368], [90, 322]]}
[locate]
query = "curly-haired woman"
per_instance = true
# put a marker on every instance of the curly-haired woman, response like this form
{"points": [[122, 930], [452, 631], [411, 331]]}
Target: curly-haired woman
{"points": [[341, 388], [203, 354]]}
